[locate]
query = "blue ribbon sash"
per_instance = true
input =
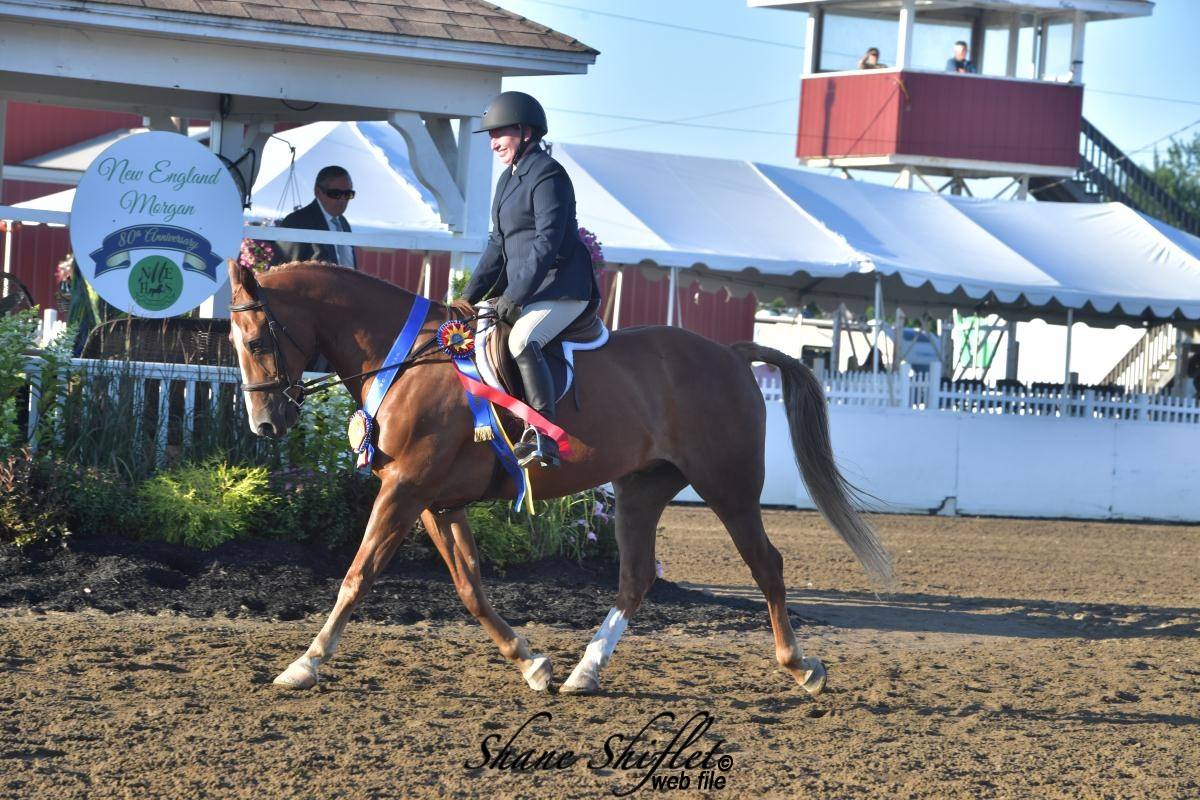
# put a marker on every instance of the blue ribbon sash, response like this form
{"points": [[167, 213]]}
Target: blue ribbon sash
{"points": [[383, 379]]}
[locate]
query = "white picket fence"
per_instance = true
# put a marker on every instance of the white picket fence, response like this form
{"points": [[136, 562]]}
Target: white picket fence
{"points": [[926, 391], [200, 384]]}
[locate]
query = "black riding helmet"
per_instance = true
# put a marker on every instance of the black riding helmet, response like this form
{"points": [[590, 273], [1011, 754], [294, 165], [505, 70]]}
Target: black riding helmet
{"points": [[514, 108]]}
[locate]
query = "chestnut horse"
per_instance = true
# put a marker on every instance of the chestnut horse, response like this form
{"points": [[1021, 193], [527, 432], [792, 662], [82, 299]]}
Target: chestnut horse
{"points": [[660, 408]]}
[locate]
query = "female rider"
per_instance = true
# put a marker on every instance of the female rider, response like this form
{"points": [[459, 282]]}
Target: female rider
{"points": [[534, 261]]}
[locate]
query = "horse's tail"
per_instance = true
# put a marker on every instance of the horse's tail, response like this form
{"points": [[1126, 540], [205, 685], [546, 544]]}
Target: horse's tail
{"points": [[808, 419]]}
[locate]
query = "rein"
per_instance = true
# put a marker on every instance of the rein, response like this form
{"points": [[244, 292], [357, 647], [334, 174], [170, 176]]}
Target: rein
{"points": [[297, 391]]}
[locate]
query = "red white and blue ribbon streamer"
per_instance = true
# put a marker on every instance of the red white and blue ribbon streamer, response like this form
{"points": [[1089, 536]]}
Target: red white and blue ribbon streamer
{"points": [[485, 417], [383, 379]]}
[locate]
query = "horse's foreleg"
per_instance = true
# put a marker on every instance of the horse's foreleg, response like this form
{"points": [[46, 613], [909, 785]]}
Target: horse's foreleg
{"points": [[391, 516], [641, 498], [452, 536]]}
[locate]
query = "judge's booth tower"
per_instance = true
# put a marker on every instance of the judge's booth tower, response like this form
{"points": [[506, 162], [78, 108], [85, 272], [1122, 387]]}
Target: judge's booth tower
{"points": [[936, 129]]}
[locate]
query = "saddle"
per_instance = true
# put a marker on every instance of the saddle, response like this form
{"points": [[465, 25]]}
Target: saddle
{"points": [[496, 365]]}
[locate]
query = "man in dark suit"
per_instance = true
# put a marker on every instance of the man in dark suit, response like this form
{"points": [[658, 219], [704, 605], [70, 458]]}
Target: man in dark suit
{"points": [[534, 262], [334, 190]]}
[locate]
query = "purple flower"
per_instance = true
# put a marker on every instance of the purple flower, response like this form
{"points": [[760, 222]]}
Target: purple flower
{"points": [[591, 536], [594, 249]]}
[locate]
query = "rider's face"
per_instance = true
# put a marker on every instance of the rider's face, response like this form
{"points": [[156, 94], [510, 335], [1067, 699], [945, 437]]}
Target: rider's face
{"points": [[505, 142]]}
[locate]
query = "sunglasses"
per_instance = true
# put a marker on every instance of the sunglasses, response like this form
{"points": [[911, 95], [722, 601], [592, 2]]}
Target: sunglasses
{"points": [[337, 194]]}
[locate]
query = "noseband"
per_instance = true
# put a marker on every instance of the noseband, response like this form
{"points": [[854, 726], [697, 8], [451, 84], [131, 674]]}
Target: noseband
{"points": [[292, 390]]}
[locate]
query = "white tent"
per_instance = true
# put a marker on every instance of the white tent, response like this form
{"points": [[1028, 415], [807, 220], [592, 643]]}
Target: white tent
{"points": [[388, 194], [790, 232], [780, 231]]}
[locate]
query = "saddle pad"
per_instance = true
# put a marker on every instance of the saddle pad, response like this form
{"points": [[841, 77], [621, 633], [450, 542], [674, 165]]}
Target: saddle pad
{"points": [[560, 356]]}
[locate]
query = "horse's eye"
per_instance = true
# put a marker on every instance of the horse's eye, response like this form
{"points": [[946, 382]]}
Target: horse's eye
{"points": [[255, 346]]}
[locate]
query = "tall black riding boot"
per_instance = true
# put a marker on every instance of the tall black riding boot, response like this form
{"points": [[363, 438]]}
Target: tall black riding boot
{"points": [[534, 446]]}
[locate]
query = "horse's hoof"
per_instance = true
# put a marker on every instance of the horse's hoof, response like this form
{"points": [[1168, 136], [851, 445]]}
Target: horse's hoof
{"points": [[814, 679], [582, 687], [300, 674], [580, 683], [538, 673]]}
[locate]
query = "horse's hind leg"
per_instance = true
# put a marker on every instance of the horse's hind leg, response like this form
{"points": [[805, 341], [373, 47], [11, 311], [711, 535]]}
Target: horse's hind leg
{"points": [[734, 498], [391, 517], [641, 498], [452, 537]]}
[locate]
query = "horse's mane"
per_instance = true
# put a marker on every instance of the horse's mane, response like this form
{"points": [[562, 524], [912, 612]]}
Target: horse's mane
{"points": [[347, 272]]}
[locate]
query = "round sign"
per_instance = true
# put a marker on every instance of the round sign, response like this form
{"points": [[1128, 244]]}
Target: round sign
{"points": [[154, 218]]}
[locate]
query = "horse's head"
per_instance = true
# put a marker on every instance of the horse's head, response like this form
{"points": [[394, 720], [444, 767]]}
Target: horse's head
{"points": [[273, 343]]}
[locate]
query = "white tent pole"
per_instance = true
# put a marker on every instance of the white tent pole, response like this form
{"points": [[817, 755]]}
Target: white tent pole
{"points": [[3, 116], [8, 237], [618, 285], [1062, 411], [427, 275], [835, 349], [877, 325], [7, 223], [671, 284]]}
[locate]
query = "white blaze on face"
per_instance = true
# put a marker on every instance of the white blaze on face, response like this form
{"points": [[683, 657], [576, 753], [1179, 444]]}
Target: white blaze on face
{"points": [[236, 332]]}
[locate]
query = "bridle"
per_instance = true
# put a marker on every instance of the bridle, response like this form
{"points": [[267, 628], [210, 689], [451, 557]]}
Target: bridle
{"points": [[297, 391], [294, 391]]}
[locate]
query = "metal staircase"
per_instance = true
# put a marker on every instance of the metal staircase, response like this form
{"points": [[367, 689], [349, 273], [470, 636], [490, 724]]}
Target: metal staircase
{"points": [[1107, 174]]}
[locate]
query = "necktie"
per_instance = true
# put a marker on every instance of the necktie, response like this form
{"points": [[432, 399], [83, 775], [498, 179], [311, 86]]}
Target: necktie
{"points": [[345, 253]]}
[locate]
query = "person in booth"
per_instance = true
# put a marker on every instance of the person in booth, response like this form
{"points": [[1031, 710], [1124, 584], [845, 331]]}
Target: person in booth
{"points": [[871, 60], [960, 62], [333, 190], [534, 262]]}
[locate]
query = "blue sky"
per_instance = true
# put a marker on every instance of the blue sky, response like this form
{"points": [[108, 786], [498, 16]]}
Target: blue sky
{"points": [[656, 72]]}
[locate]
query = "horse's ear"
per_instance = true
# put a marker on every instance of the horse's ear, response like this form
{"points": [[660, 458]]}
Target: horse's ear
{"points": [[241, 278]]}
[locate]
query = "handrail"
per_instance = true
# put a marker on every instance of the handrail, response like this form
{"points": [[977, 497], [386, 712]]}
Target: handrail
{"points": [[1137, 367], [1106, 171]]}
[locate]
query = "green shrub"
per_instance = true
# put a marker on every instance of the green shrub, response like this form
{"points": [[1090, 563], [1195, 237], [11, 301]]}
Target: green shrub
{"points": [[31, 507], [204, 505], [100, 503], [500, 535], [576, 527], [330, 509], [17, 333]]}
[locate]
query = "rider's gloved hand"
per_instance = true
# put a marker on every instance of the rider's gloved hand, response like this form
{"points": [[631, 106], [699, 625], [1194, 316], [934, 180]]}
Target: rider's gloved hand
{"points": [[507, 310]]}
